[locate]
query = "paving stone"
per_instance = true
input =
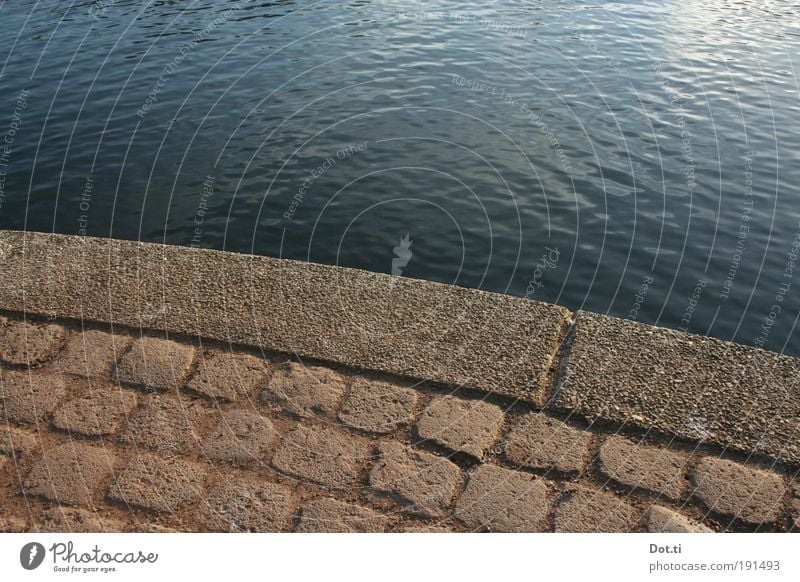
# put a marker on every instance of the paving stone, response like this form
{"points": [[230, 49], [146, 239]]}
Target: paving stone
{"points": [[29, 344], [332, 516], [658, 470], [11, 524], [158, 484], [241, 436], [795, 508], [28, 397], [241, 506], [92, 354], [500, 500], [97, 414], [155, 364], [68, 520], [424, 529], [738, 491], [378, 406], [691, 386], [166, 424], [326, 456], [70, 473], [588, 511], [306, 391], [18, 442], [225, 376], [469, 426], [155, 528], [539, 441], [663, 520], [423, 483]]}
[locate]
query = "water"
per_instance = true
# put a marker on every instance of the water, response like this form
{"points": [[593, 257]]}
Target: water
{"points": [[641, 160]]}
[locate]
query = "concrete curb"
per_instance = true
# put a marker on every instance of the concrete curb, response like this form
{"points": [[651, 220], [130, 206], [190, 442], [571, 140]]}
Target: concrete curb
{"points": [[693, 387], [697, 388], [425, 330]]}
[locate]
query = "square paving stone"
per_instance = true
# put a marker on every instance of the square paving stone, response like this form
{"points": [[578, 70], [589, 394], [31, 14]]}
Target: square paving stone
{"points": [[155, 528], [158, 484], [13, 524], [70, 473], [639, 466], [741, 492], [30, 344], [18, 442], [166, 423], [377, 406], [306, 391], [325, 456], [539, 441], [468, 426], [795, 508], [225, 376], [100, 413], [423, 483], [500, 500], [663, 520], [29, 396], [92, 354], [332, 516], [70, 520], [245, 506], [155, 364], [593, 511], [242, 436]]}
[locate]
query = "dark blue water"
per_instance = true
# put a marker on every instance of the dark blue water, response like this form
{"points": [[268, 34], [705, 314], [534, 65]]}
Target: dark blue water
{"points": [[639, 159]]}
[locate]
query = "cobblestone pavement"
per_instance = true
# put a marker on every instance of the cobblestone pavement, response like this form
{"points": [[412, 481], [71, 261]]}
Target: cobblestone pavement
{"points": [[128, 431]]}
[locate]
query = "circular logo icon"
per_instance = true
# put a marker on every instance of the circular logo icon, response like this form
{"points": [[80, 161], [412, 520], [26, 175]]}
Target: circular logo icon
{"points": [[31, 555]]}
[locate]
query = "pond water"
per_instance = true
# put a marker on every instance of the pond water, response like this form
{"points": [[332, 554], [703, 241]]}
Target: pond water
{"points": [[637, 159]]}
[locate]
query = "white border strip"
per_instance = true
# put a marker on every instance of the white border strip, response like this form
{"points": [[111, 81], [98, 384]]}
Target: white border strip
{"points": [[405, 557]]}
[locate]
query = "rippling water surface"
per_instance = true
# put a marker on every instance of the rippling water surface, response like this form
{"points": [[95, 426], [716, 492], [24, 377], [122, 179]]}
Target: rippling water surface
{"points": [[639, 159]]}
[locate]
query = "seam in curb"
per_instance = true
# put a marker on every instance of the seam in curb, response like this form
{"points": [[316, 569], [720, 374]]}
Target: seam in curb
{"points": [[556, 376]]}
